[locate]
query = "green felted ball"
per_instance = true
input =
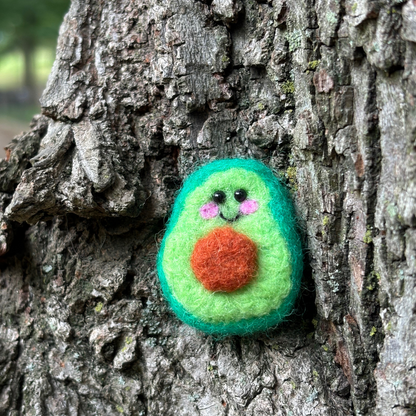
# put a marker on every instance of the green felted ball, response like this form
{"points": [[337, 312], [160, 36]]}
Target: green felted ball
{"points": [[222, 209]]}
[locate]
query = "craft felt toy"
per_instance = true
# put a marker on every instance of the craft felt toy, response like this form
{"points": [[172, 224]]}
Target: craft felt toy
{"points": [[230, 262]]}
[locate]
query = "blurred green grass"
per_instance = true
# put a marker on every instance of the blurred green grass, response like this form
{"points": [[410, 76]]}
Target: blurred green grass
{"points": [[11, 79], [15, 118], [28, 33], [11, 68], [11, 71], [18, 113]]}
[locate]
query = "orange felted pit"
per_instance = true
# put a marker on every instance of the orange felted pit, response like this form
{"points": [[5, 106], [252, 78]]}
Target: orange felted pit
{"points": [[224, 260]]}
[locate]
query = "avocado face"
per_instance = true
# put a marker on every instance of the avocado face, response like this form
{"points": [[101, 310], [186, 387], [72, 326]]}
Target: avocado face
{"points": [[231, 259]]}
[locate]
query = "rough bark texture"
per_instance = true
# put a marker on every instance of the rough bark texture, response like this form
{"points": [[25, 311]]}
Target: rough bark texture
{"points": [[141, 92]]}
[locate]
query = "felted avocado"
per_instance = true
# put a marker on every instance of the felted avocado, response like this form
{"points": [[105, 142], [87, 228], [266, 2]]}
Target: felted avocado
{"points": [[230, 262]]}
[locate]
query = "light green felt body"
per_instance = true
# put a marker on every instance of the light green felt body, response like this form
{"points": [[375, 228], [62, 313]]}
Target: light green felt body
{"points": [[269, 297]]}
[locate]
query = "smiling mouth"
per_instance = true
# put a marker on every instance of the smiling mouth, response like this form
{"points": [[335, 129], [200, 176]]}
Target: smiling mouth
{"points": [[230, 219]]}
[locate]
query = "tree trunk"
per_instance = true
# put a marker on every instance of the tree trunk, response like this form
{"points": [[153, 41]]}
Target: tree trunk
{"points": [[140, 94], [29, 80]]}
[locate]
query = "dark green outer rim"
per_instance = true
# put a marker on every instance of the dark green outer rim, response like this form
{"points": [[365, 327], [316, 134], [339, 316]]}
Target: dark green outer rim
{"points": [[284, 215]]}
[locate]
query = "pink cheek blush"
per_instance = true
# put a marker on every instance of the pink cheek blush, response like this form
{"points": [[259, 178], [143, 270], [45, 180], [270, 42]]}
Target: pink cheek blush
{"points": [[249, 206], [209, 211]]}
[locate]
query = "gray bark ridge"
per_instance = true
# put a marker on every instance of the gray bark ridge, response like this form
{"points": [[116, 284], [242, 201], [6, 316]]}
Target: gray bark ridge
{"points": [[140, 94]]}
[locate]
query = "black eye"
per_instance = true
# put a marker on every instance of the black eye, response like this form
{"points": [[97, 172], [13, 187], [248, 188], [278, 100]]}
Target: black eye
{"points": [[218, 197], [240, 195]]}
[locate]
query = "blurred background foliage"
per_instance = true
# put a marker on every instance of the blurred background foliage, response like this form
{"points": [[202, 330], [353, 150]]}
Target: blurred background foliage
{"points": [[28, 33]]}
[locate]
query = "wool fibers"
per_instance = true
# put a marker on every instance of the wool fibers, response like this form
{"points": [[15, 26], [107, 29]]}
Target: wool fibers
{"points": [[260, 234]]}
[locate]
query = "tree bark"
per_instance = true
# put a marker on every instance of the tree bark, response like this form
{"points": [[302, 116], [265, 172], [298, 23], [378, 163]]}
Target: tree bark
{"points": [[140, 94]]}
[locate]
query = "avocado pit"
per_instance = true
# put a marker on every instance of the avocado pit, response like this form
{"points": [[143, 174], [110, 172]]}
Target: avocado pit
{"points": [[224, 260]]}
